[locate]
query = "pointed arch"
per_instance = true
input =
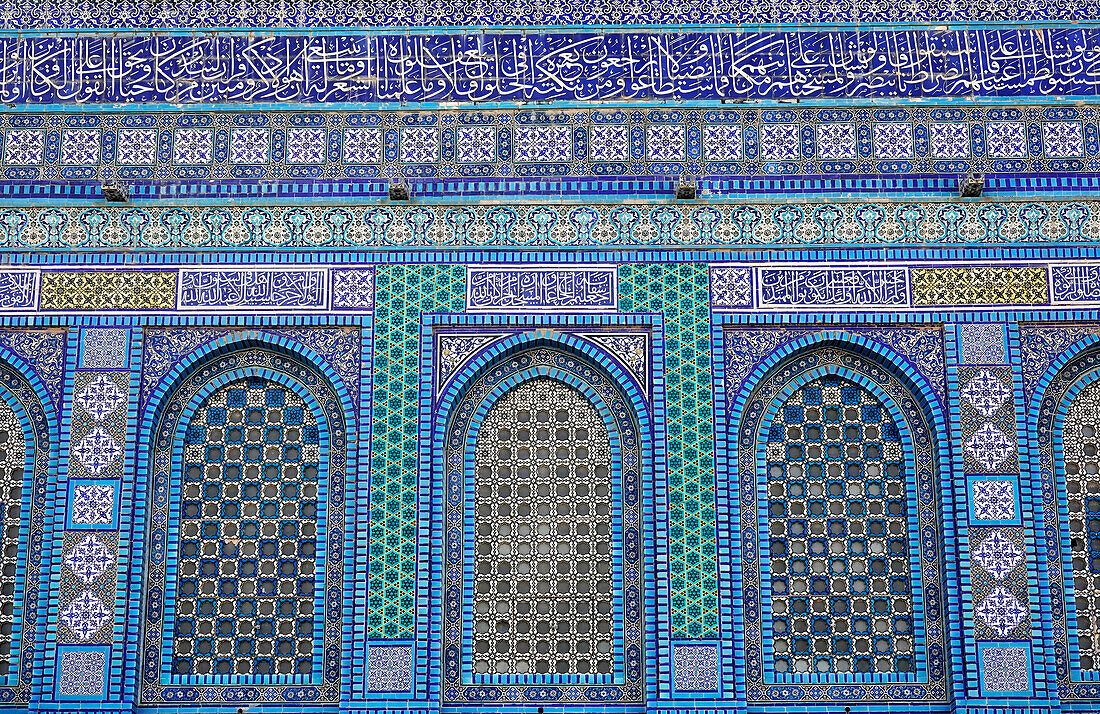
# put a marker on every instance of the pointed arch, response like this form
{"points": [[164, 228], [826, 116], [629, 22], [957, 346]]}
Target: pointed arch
{"points": [[28, 452], [879, 377], [249, 433], [532, 361], [1066, 502]]}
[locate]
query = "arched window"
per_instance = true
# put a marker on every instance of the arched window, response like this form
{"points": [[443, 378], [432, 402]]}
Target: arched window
{"points": [[838, 534], [14, 458], [543, 601], [248, 534], [543, 534], [1080, 442], [246, 495]]}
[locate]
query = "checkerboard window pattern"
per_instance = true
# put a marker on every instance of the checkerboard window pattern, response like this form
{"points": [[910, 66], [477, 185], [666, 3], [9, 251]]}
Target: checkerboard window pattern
{"points": [[13, 454], [838, 534], [1081, 443], [543, 596], [248, 534]]}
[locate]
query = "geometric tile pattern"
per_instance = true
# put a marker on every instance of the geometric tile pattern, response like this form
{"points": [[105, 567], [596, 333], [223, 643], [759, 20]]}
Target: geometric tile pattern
{"points": [[402, 294], [253, 492], [1006, 669], [979, 286], [754, 365], [104, 348], [543, 461], [1062, 139], [779, 142], [108, 291], [248, 534], [362, 146], [722, 142], [80, 147], [681, 293], [993, 500], [633, 224], [665, 142], [696, 667], [81, 673], [305, 145], [543, 144], [836, 141], [100, 397], [1007, 139], [893, 140], [575, 142], [96, 451], [990, 447], [353, 289], [620, 627], [389, 668], [839, 550], [24, 147], [982, 343], [731, 287], [89, 559], [137, 147], [1001, 612], [249, 146], [986, 392], [988, 420], [85, 615], [998, 555], [950, 141], [193, 146], [93, 504]]}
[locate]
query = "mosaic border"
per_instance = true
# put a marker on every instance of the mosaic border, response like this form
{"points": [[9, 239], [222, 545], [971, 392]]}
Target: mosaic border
{"points": [[456, 151], [544, 226]]}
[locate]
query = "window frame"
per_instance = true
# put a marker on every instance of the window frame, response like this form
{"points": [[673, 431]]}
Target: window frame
{"points": [[891, 410]]}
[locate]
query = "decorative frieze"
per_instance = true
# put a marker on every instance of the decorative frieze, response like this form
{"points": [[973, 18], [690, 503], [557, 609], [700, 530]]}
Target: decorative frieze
{"points": [[819, 287], [198, 15], [187, 290], [453, 148], [527, 288], [575, 66], [980, 286], [625, 224], [228, 289]]}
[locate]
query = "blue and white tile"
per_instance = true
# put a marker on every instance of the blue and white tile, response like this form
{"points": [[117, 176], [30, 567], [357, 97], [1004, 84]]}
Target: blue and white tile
{"points": [[305, 145], [779, 142], [80, 147], [193, 146], [543, 144], [249, 145], [836, 141], [1006, 139], [419, 145], [24, 147], [362, 145], [475, 144], [723, 142], [949, 140], [665, 142], [893, 140], [137, 147], [609, 142], [1063, 139]]}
